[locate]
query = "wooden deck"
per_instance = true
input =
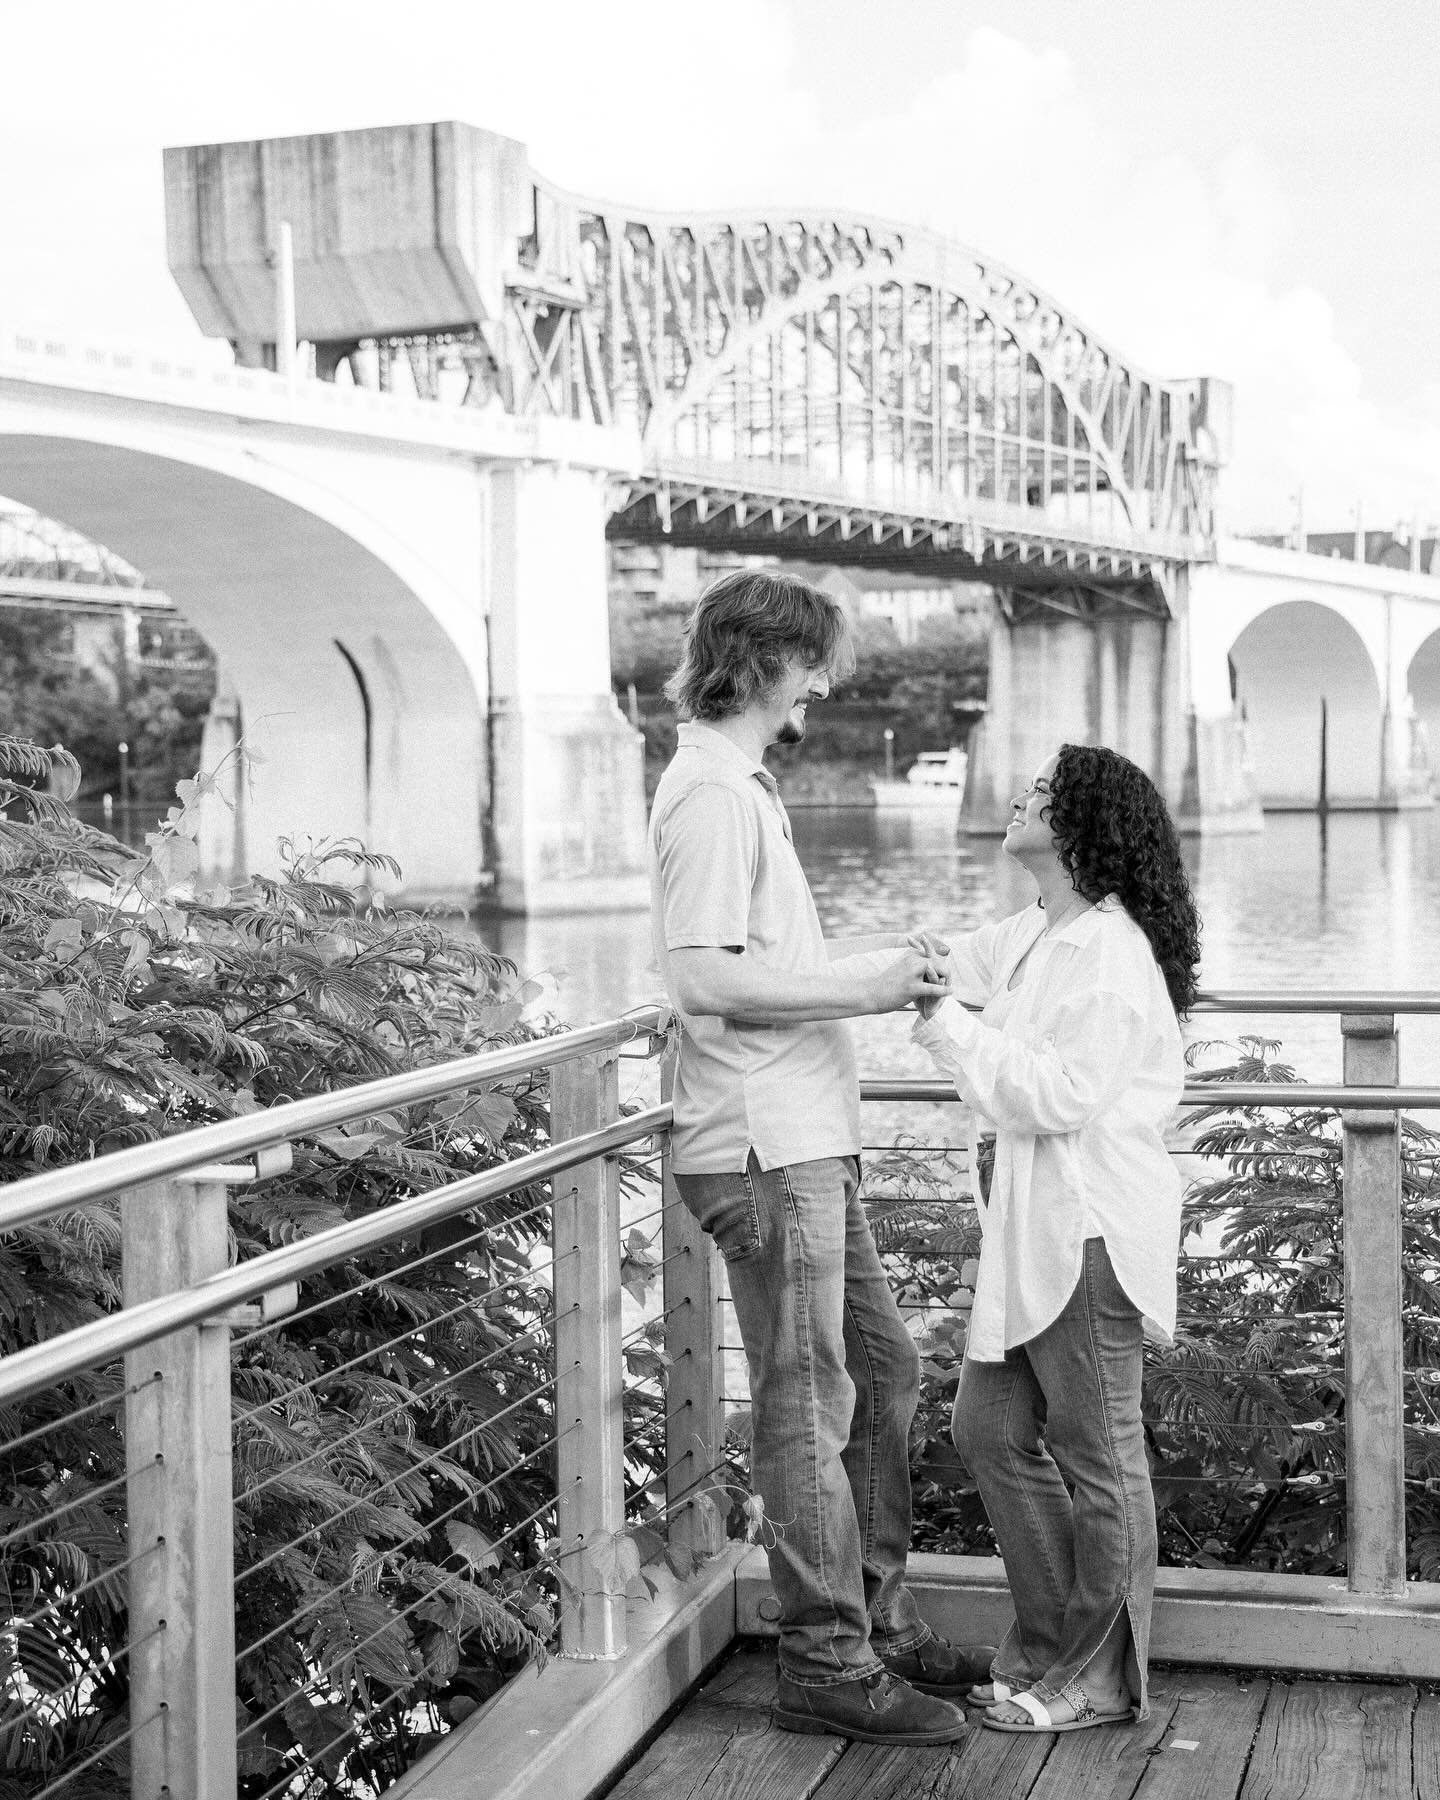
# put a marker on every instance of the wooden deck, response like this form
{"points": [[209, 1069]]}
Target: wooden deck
{"points": [[1210, 1736]]}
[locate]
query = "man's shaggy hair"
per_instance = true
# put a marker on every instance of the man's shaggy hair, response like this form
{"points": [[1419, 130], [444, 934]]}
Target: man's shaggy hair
{"points": [[745, 628], [1115, 836]]}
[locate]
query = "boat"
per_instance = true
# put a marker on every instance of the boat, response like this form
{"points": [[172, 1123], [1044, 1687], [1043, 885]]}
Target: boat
{"points": [[934, 783]]}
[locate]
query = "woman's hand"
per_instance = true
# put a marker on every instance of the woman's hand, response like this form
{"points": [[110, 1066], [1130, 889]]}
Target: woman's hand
{"points": [[937, 952]]}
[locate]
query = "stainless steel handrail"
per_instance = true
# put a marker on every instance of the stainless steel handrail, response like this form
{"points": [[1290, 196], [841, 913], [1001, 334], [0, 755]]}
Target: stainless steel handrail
{"points": [[1315, 1000], [1292, 1094], [37, 1196], [90, 1346]]}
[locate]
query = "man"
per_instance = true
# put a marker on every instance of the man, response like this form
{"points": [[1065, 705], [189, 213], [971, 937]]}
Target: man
{"points": [[766, 1150]]}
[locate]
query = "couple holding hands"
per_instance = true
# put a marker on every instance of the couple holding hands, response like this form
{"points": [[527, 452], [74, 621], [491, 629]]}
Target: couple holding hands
{"points": [[1059, 1029]]}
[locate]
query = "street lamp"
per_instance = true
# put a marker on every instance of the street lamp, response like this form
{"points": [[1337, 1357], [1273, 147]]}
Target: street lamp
{"points": [[889, 754], [124, 749]]}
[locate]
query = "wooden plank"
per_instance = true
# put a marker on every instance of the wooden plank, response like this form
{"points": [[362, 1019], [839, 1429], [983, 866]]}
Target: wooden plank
{"points": [[1425, 1748], [1340, 1740], [1219, 1719], [867, 1771], [745, 1679], [734, 1751], [1107, 1763]]}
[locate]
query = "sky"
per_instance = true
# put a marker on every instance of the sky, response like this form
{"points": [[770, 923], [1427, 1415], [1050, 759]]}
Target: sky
{"points": [[1243, 188]]}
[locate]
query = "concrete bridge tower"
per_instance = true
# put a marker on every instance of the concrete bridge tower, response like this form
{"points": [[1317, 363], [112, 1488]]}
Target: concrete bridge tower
{"points": [[468, 692]]}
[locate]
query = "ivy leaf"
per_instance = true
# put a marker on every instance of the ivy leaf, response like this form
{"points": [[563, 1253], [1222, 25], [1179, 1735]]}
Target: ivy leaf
{"points": [[349, 1146], [638, 1269], [64, 940], [495, 1114], [175, 858], [472, 1545]]}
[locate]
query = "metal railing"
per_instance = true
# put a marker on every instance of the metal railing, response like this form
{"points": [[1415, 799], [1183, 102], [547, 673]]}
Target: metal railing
{"points": [[162, 1373], [180, 1355]]}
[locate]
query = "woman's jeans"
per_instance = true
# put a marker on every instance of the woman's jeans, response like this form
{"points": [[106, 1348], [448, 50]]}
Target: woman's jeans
{"points": [[834, 1381], [1054, 1440]]}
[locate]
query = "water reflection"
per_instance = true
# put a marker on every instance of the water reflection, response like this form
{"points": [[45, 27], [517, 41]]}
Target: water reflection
{"points": [[1355, 903]]}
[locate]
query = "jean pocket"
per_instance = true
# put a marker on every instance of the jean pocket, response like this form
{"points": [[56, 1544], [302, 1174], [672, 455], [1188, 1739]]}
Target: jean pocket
{"points": [[724, 1205]]}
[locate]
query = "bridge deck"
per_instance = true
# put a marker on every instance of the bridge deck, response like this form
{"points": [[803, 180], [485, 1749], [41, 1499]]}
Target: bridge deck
{"points": [[1211, 1736]]}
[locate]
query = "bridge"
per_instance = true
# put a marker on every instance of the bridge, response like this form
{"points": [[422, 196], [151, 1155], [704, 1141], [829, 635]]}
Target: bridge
{"points": [[454, 381]]}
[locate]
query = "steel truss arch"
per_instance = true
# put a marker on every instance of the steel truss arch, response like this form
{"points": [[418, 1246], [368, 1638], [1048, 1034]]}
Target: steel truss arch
{"points": [[846, 361]]}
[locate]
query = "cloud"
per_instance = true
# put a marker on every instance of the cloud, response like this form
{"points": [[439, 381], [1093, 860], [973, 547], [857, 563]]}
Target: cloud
{"points": [[1170, 261]]}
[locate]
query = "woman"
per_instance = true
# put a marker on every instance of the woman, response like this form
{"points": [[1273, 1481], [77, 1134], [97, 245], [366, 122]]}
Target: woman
{"points": [[1076, 1061]]}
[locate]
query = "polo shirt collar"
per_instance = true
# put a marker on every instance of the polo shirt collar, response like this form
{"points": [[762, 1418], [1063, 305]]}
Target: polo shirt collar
{"points": [[698, 736]]}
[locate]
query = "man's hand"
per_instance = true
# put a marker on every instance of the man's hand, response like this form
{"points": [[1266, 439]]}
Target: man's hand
{"points": [[937, 952], [912, 979]]}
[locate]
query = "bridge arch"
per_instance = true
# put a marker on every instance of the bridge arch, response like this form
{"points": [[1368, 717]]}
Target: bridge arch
{"points": [[1299, 669], [1423, 689], [357, 672]]}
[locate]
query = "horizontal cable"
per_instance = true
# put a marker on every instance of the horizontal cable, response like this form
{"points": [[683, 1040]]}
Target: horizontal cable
{"points": [[37, 1196], [96, 1493], [91, 1582], [391, 1481], [312, 1757], [329, 1375], [374, 1281], [422, 1530], [11, 1445], [670, 1468], [411, 1400], [354, 1650], [648, 1325], [102, 1340], [108, 1748], [655, 1213], [111, 1660]]}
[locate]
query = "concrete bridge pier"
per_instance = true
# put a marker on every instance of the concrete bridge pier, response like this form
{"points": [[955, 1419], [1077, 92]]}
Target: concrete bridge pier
{"points": [[568, 794], [1087, 667]]}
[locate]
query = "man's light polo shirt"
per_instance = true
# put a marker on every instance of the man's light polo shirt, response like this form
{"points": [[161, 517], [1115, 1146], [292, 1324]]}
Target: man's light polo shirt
{"points": [[724, 875]]}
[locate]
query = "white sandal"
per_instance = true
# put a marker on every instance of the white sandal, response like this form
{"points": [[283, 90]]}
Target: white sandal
{"points": [[1085, 1717]]}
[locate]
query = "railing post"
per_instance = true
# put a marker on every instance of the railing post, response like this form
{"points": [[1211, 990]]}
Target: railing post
{"points": [[1374, 1335], [590, 1379], [694, 1277], [177, 1427]]}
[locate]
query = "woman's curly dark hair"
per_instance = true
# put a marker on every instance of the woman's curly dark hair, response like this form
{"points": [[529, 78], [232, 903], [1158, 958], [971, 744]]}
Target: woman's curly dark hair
{"points": [[1115, 836]]}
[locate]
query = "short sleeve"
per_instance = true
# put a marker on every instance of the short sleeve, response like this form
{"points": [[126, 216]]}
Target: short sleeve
{"points": [[708, 846]]}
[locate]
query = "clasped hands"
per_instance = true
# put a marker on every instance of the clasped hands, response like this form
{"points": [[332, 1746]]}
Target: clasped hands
{"points": [[933, 972]]}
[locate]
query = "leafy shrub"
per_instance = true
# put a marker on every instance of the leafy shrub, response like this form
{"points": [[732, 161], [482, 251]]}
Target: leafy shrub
{"points": [[1245, 1414], [393, 1475]]}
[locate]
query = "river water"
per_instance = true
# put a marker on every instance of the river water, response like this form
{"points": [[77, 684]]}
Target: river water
{"points": [[1354, 903]]}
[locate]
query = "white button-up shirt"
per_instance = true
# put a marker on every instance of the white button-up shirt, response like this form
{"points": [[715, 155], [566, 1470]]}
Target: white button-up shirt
{"points": [[1078, 1069]]}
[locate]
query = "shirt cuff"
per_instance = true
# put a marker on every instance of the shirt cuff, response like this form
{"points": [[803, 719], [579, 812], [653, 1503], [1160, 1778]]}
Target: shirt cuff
{"points": [[949, 1024]]}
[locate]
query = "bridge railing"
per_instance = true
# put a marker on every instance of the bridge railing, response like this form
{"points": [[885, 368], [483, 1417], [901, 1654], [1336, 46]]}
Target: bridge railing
{"points": [[168, 1570], [129, 1572]]}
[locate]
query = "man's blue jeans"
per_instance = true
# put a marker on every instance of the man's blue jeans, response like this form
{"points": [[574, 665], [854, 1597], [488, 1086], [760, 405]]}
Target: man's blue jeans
{"points": [[834, 1381], [1054, 1439]]}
